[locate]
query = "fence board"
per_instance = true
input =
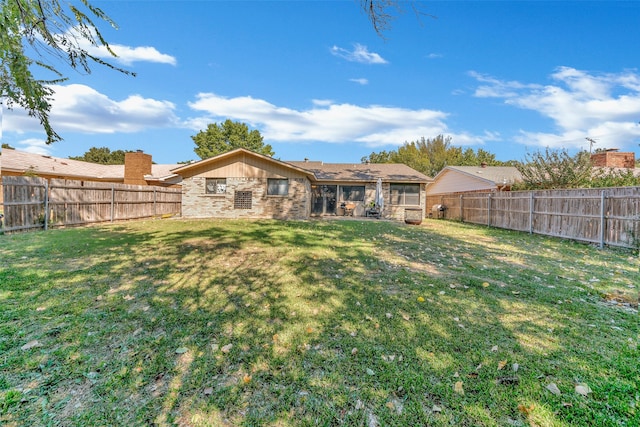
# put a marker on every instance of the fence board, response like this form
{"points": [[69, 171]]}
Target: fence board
{"points": [[606, 216], [70, 202]]}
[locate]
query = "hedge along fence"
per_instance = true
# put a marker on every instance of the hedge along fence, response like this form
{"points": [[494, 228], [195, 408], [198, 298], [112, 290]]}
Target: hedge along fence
{"points": [[38, 203], [605, 216]]}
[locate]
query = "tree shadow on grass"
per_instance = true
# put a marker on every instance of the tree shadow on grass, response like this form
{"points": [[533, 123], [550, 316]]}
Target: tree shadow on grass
{"points": [[301, 323]]}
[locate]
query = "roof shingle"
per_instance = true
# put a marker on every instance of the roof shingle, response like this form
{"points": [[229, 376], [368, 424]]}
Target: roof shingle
{"points": [[362, 172]]}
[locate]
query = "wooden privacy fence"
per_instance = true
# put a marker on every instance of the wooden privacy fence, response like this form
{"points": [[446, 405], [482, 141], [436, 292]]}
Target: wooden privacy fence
{"points": [[38, 203], [609, 216]]}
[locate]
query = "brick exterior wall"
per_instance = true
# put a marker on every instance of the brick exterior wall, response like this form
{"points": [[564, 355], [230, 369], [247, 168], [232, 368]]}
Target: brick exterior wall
{"points": [[614, 159], [197, 204], [136, 166]]}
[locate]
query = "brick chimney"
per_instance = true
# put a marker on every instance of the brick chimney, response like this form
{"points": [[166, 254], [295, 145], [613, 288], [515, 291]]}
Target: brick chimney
{"points": [[613, 159], [136, 166]]}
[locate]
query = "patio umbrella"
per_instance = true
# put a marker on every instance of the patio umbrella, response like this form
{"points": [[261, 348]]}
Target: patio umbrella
{"points": [[379, 196]]}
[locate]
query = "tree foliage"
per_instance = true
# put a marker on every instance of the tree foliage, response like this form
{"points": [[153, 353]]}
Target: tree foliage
{"points": [[608, 177], [430, 156], [227, 136], [103, 156], [554, 169], [56, 33]]}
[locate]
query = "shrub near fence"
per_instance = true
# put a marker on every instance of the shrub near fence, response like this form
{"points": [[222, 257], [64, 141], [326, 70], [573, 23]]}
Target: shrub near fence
{"points": [[606, 216], [38, 203]]}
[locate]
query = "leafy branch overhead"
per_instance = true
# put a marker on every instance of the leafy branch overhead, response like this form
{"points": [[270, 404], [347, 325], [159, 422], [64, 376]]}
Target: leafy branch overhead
{"points": [[38, 34], [55, 32]]}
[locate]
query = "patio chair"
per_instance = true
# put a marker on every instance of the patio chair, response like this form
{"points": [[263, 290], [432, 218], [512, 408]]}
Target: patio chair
{"points": [[348, 208]]}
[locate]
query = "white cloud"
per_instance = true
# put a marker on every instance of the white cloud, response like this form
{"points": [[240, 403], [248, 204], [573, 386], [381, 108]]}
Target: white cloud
{"points": [[79, 108], [580, 104], [495, 88], [360, 53], [435, 55], [126, 55], [35, 146], [373, 125], [360, 81], [322, 102]]}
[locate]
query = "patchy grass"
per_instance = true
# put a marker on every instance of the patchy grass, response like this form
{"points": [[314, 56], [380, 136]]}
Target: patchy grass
{"points": [[357, 323]]}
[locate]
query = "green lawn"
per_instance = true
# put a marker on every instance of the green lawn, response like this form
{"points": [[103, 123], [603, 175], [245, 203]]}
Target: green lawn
{"points": [[318, 323]]}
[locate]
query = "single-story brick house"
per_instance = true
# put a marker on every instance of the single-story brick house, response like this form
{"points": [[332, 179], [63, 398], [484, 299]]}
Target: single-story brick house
{"points": [[244, 184]]}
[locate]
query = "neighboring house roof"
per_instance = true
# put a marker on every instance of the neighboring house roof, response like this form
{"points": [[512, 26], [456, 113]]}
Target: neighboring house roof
{"points": [[162, 173], [453, 179], [362, 172], [16, 161], [498, 175]]}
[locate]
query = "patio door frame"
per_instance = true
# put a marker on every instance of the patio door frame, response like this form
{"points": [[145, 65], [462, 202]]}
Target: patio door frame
{"points": [[325, 197]]}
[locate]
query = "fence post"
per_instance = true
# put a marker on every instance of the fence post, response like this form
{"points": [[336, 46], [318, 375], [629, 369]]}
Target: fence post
{"points": [[531, 212], [488, 209], [461, 210], [154, 201], [46, 204], [602, 218], [113, 200]]}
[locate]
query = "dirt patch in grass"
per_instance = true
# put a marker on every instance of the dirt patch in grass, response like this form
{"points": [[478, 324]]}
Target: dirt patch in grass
{"points": [[622, 299]]}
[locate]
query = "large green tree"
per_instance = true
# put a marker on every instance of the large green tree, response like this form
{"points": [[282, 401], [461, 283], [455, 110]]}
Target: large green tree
{"points": [[227, 136], [430, 156], [103, 156], [552, 169], [55, 32]]}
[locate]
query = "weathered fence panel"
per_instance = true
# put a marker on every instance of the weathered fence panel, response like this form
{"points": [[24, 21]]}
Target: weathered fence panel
{"points": [[511, 211], [36, 203], [606, 216], [24, 207]]}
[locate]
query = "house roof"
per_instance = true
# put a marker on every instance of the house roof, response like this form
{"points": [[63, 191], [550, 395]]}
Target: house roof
{"points": [[362, 172], [211, 160], [17, 161], [492, 174], [320, 171]]}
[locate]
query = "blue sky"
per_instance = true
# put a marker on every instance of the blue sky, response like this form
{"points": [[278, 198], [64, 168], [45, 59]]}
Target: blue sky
{"points": [[314, 78]]}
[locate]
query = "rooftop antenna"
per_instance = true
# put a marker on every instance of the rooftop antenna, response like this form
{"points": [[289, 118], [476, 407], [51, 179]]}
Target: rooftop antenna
{"points": [[592, 142]]}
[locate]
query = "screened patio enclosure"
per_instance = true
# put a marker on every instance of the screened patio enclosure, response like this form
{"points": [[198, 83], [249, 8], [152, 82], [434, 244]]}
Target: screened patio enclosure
{"points": [[326, 199]]}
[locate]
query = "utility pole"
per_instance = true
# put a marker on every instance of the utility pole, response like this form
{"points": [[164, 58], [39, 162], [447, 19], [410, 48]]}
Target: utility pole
{"points": [[592, 142]]}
